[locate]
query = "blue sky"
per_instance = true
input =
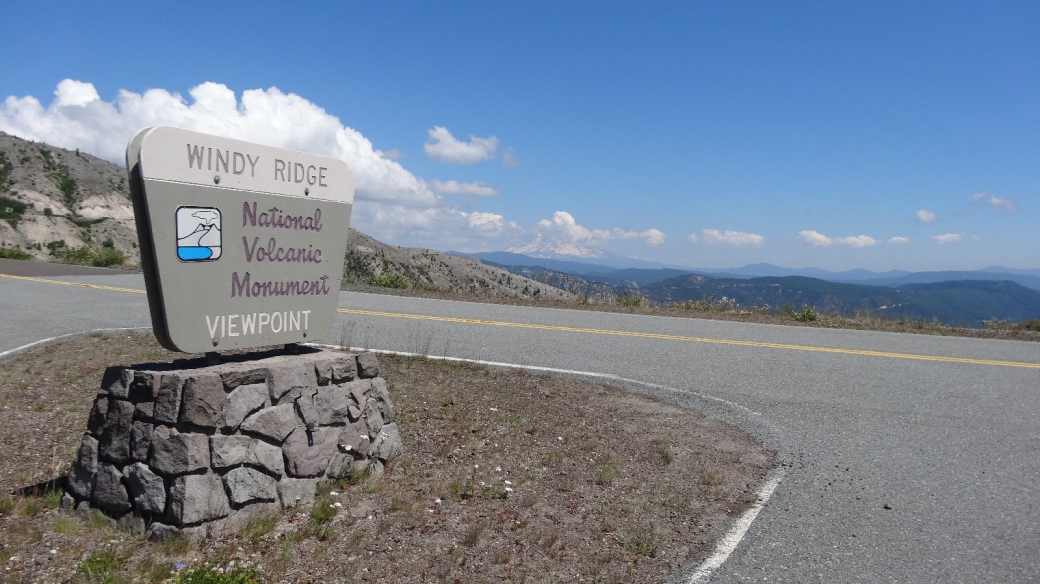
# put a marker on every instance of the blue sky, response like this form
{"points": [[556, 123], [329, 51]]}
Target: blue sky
{"points": [[800, 134]]}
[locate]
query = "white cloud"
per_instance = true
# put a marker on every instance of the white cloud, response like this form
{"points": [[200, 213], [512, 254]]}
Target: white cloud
{"points": [[394, 154], [392, 203], [653, 237], [692, 237], [443, 147], [510, 159], [899, 240], [817, 239], [949, 238], [926, 216], [732, 238], [454, 187], [562, 228], [78, 118], [1002, 205]]}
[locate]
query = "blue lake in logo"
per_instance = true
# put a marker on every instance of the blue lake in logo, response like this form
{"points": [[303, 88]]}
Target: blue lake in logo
{"points": [[194, 253]]}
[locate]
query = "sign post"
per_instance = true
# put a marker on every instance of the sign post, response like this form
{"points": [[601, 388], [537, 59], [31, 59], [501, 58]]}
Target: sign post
{"points": [[242, 245]]}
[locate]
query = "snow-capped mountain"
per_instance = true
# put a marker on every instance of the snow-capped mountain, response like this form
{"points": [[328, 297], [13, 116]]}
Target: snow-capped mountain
{"points": [[540, 248]]}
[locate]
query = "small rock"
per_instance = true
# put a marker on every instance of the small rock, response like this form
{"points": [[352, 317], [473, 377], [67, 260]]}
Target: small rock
{"points": [[180, 453], [109, 491], [98, 414], [244, 375], [297, 491], [246, 484], [354, 438], [81, 479], [382, 396], [131, 524], [116, 381], [267, 457], [147, 488], [228, 451], [161, 532], [287, 376], [241, 403], [115, 437], [168, 403], [373, 418], [307, 453], [203, 401], [140, 441], [196, 498], [275, 423], [68, 502], [387, 444], [368, 365]]}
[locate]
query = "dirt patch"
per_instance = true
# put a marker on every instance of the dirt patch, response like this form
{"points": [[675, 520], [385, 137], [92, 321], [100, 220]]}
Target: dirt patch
{"points": [[507, 476]]}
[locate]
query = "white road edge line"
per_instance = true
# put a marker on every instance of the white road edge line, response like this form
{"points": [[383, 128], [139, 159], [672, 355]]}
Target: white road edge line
{"points": [[51, 339], [737, 531], [723, 549]]}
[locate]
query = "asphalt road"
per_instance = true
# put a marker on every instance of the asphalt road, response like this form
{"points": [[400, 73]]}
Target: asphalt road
{"points": [[907, 458]]}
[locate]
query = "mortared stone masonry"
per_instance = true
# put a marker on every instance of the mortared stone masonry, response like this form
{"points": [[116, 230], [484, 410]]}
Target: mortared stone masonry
{"points": [[193, 449]]}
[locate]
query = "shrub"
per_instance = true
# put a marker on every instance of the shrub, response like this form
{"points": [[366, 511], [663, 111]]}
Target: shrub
{"points": [[11, 210], [387, 280], [14, 254], [629, 300], [807, 315]]}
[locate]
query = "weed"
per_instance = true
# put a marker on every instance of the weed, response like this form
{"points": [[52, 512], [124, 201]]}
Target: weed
{"points": [[324, 489], [259, 526], [65, 525], [567, 485], [663, 452], [103, 566], [473, 534], [590, 446], [606, 471], [97, 520], [323, 510], [11, 253], [215, 573], [401, 503], [52, 498], [353, 476], [462, 490], [644, 542], [32, 506], [6, 504], [39, 407]]}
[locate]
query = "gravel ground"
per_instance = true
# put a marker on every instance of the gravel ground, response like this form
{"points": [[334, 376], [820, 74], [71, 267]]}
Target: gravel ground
{"points": [[507, 477]]}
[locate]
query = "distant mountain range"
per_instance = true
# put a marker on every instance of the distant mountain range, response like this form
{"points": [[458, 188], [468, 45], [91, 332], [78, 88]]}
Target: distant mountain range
{"points": [[963, 298]]}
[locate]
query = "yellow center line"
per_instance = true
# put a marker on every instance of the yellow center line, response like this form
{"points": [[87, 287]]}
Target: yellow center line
{"points": [[77, 284], [549, 327]]}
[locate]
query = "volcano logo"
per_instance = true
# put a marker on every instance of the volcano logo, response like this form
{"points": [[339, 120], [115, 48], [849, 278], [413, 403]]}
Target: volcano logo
{"points": [[198, 234]]}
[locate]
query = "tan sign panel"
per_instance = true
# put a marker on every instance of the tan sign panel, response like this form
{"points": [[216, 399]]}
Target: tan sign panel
{"points": [[242, 244]]}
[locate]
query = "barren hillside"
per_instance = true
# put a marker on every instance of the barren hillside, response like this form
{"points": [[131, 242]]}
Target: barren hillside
{"points": [[53, 199]]}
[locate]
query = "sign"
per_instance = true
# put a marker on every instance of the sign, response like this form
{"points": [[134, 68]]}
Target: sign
{"points": [[242, 245]]}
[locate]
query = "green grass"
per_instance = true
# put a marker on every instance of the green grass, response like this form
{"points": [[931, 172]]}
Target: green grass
{"points": [[606, 471], [104, 567], [259, 526], [6, 504], [65, 525], [323, 510], [85, 256]]}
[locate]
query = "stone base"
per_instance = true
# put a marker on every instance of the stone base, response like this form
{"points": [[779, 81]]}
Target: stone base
{"points": [[187, 448]]}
